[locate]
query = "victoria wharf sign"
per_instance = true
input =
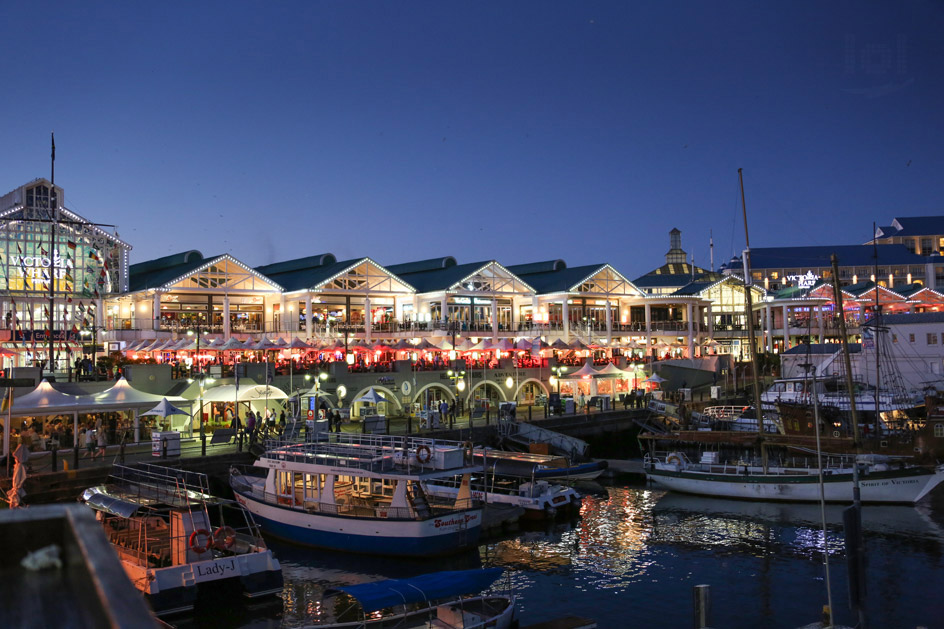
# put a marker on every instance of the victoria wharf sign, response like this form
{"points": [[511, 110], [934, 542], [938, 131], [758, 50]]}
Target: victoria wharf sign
{"points": [[35, 266]]}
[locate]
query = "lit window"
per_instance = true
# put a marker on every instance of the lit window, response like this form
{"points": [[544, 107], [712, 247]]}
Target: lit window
{"points": [[932, 338], [911, 338], [939, 430]]}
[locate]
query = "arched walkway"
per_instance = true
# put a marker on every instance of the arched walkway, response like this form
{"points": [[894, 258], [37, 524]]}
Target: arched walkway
{"points": [[492, 386], [384, 391], [521, 386], [420, 395]]}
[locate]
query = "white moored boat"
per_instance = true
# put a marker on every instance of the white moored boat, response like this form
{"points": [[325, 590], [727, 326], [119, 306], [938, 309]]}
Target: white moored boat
{"points": [[880, 481], [175, 540], [362, 493], [539, 499]]}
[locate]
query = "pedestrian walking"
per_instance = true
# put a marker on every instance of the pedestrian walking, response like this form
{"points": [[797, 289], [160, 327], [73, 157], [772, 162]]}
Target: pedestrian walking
{"points": [[101, 442]]}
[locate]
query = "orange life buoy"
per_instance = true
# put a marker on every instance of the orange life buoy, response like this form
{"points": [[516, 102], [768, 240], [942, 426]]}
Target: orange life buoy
{"points": [[673, 459], [224, 537], [200, 548], [423, 454]]}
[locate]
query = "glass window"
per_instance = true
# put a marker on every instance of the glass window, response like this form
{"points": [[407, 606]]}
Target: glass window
{"points": [[932, 338]]}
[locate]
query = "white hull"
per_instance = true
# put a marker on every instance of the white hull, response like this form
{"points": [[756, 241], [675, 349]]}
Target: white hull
{"points": [[877, 487], [546, 499]]}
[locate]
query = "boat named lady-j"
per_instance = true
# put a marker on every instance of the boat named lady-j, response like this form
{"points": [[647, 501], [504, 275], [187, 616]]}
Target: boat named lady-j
{"points": [[362, 493]]}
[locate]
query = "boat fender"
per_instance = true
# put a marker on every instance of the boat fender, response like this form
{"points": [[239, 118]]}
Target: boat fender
{"points": [[224, 537], [195, 546], [673, 459], [423, 454], [467, 449]]}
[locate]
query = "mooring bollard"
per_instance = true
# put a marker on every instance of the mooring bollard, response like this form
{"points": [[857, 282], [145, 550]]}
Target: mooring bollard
{"points": [[702, 596], [488, 418], [529, 412]]}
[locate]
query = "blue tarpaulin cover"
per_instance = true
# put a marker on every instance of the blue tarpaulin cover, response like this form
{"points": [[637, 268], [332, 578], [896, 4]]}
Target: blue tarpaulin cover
{"points": [[436, 585]]}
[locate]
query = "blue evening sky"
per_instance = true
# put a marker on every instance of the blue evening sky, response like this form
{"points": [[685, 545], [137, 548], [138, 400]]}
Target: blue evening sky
{"points": [[516, 131]]}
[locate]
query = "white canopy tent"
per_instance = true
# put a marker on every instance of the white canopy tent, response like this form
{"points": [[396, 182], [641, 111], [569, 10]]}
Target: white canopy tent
{"points": [[251, 395], [45, 400]]}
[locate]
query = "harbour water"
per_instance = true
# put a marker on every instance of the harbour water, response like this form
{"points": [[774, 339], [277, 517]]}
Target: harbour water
{"points": [[635, 554]]}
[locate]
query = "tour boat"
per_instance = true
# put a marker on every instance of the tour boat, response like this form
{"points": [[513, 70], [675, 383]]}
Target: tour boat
{"points": [[431, 600], [175, 540], [362, 493], [539, 499], [881, 480]]}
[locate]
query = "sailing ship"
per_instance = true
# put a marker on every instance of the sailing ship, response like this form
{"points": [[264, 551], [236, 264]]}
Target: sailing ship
{"points": [[882, 480], [745, 474]]}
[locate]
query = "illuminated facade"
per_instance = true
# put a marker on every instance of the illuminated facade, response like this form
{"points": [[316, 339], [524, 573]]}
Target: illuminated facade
{"points": [[56, 268]]}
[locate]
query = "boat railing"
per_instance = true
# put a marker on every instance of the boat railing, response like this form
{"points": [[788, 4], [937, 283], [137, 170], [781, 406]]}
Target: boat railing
{"points": [[710, 462], [370, 453], [166, 484], [722, 412]]}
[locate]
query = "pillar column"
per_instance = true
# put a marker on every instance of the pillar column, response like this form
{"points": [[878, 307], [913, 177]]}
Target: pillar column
{"points": [[711, 322], [535, 309], [769, 328], [494, 317], [609, 323], [565, 315], [283, 322], [648, 331], [227, 329], [309, 319], [691, 330], [786, 329], [367, 318], [155, 311]]}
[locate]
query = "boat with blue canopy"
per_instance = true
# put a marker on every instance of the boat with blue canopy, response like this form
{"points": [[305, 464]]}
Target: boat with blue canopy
{"points": [[438, 599]]}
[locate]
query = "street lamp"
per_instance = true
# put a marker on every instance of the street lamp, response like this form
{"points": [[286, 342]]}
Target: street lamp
{"points": [[203, 380], [458, 381], [196, 356], [557, 370], [92, 331]]}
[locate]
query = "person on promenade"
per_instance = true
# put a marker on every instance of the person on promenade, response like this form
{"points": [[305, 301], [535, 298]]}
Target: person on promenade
{"points": [[251, 426], [102, 442], [89, 442]]}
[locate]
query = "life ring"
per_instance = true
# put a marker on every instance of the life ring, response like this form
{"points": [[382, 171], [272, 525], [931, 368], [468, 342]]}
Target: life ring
{"points": [[469, 452], [224, 537], [200, 548], [423, 454], [673, 459], [405, 387]]}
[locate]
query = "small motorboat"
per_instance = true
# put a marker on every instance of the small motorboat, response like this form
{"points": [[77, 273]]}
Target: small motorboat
{"points": [[439, 599]]}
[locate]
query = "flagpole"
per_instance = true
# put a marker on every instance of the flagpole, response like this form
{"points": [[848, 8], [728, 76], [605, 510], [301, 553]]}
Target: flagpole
{"points": [[54, 218]]}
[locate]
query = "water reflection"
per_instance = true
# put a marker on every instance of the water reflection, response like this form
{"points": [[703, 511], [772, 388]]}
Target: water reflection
{"points": [[637, 552]]}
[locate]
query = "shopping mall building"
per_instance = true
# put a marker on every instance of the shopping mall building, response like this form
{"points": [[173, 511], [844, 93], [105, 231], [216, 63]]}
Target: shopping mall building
{"points": [[68, 289]]}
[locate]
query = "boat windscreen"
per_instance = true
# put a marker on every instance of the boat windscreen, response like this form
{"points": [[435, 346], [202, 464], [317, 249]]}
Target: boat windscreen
{"points": [[109, 504], [426, 587]]}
